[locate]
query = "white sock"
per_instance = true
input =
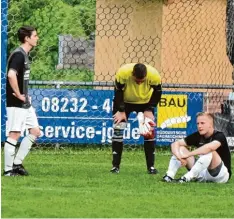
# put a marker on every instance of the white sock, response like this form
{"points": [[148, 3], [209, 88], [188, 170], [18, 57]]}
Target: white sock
{"points": [[24, 148], [173, 167], [202, 163], [9, 153]]}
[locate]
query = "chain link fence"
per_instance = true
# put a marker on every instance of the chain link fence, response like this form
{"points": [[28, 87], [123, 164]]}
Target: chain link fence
{"points": [[83, 43]]}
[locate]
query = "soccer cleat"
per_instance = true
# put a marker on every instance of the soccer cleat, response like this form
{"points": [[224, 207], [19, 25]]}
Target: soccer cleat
{"points": [[114, 170], [152, 170], [9, 173], [182, 180], [167, 178], [20, 170]]}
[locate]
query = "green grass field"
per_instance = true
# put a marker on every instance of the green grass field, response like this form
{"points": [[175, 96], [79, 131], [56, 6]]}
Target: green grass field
{"points": [[77, 184]]}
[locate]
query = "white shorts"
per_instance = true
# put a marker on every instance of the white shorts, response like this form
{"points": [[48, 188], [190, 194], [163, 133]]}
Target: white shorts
{"points": [[19, 119], [222, 177]]}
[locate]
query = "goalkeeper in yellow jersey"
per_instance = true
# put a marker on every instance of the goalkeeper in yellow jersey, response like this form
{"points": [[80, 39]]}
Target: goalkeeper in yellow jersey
{"points": [[137, 88]]}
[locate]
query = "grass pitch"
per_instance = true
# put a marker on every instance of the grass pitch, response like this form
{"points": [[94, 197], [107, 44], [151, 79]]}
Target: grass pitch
{"points": [[77, 184]]}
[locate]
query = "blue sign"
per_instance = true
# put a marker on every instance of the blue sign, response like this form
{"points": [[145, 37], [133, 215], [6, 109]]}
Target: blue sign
{"points": [[85, 116], [4, 23]]}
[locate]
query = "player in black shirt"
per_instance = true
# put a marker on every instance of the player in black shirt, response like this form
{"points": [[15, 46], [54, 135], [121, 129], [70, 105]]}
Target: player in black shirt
{"points": [[214, 163], [20, 113]]}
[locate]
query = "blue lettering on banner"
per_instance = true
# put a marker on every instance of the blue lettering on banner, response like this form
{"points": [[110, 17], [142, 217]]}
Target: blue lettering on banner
{"points": [[85, 117]]}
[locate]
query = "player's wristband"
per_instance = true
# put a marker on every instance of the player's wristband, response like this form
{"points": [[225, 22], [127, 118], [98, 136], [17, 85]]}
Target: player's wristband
{"points": [[149, 108], [121, 108]]}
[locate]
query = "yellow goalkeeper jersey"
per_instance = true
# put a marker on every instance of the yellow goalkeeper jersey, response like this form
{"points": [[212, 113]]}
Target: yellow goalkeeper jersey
{"points": [[137, 93]]}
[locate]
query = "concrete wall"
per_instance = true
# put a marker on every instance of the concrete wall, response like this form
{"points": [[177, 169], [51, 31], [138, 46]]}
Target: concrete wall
{"points": [[194, 42]]}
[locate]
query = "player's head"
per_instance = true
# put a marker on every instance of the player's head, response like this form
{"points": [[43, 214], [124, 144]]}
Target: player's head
{"points": [[139, 73], [28, 34], [205, 123]]}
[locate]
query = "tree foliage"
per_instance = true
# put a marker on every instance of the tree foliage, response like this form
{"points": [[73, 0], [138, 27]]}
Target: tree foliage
{"points": [[51, 18]]}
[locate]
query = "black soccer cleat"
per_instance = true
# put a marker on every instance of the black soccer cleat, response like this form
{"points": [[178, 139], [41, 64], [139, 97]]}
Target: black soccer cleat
{"points": [[152, 170], [9, 173], [20, 170], [114, 170], [182, 180], [167, 178]]}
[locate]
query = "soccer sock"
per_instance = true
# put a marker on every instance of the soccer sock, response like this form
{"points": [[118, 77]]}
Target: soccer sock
{"points": [[117, 149], [149, 149], [173, 167], [9, 153], [24, 148], [202, 163]]}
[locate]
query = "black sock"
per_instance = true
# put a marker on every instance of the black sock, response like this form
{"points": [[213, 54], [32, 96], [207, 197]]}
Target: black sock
{"points": [[117, 149], [149, 148]]}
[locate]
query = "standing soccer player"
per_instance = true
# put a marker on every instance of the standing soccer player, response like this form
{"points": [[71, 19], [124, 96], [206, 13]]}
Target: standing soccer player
{"points": [[214, 163], [20, 113], [137, 88]]}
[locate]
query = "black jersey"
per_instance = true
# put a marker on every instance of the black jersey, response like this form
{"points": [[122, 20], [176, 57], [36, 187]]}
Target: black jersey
{"points": [[19, 62], [198, 140]]}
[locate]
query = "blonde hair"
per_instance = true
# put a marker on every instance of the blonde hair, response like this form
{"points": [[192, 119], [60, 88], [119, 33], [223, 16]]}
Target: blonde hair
{"points": [[209, 115]]}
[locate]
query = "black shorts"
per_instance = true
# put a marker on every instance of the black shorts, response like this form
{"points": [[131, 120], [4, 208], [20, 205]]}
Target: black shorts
{"points": [[133, 108]]}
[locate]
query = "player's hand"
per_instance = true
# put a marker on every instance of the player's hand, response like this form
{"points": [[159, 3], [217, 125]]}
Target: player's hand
{"points": [[21, 97], [149, 114], [149, 123], [149, 127], [183, 162], [146, 125], [141, 122], [119, 117]]}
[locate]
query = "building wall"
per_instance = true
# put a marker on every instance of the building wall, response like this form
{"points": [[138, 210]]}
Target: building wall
{"points": [[184, 39], [126, 31]]}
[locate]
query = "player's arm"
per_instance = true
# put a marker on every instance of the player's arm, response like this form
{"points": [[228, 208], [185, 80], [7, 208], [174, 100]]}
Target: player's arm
{"points": [[120, 115], [13, 81], [156, 96], [17, 60], [205, 149], [156, 85], [14, 85], [119, 96]]}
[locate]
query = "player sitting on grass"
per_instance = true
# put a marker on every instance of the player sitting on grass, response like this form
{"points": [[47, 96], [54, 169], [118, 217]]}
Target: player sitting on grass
{"points": [[214, 163]]}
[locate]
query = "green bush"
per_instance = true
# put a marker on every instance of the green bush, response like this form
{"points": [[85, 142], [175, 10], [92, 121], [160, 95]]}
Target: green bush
{"points": [[51, 18]]}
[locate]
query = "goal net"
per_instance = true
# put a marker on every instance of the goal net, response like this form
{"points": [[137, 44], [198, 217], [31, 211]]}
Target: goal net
{"points": [[83, 43]]}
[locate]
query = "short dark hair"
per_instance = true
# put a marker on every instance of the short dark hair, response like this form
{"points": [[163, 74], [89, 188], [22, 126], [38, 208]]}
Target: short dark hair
{"points": [[25, 31], [139, 71]]}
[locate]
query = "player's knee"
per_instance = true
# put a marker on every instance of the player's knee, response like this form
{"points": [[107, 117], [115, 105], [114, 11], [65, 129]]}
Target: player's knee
{"points": [[208, 156], [118, 131], [183, 150], [206, 159], [35, 132], [14, 135]]}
